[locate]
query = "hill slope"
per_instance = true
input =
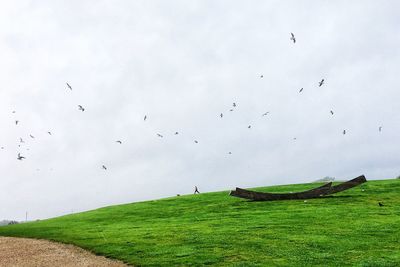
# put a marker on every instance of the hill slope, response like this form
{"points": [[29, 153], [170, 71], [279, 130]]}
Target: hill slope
{"points": [[214, 228]]}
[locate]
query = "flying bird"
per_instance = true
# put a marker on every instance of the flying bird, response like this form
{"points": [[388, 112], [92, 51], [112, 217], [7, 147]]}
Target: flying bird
{"points": [[231, 110], [81, 108], [221, 115], [145, 117], [16, 122], [69, 86], [331, 112], [20, 157], [196, 141], [230, 153], [380, 128], [266, 113], [249, 126], [159, 135], [31, 136], [344, 131], [104, 167], [120, 142], [49, 133], [234, 104], [292, 37], [261, 76], [321, 82], [21, 140], [301, 90], [176, 133]]}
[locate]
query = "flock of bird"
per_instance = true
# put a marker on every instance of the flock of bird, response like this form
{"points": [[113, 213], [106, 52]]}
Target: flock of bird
{"points": [[234, 105]]}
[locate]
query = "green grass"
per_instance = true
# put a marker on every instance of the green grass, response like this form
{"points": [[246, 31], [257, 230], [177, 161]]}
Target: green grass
{"points": [[349, 229]]}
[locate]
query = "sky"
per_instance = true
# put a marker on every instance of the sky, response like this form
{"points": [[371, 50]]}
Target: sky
{"points": [[182, 64]]}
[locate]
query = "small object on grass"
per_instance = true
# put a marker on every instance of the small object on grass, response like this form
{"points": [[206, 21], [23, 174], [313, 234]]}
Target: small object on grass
{"points": [[380, 204]]}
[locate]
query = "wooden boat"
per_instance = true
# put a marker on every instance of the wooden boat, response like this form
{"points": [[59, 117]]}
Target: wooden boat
{"points": [[324, 190]]}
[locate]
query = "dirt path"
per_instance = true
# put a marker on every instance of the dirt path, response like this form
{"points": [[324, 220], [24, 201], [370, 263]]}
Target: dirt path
{"points": [[32, 252]]}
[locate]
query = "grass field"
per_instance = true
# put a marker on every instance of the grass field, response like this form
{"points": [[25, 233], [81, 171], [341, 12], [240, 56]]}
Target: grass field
{"points": [[216, 229]]}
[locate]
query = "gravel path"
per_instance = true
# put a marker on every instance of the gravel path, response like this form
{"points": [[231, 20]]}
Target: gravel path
{"points": [[33, 252]]}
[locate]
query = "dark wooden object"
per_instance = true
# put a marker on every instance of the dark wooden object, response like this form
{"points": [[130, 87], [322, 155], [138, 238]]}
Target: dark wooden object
{"points": [[324, 190]]}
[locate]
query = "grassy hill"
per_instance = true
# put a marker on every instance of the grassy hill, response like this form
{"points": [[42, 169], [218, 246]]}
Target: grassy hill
{"points": [[214, 228]]}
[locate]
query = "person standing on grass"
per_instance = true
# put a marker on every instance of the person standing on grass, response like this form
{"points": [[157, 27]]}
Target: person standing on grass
{"points": [[196, 190]]}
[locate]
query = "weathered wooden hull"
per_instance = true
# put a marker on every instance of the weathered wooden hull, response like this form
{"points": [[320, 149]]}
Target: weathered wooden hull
{"points": [[347, 185], [321, 191]]}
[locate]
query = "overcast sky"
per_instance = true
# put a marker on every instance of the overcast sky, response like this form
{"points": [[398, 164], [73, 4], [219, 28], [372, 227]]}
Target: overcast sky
{"points": [[183, 63]]}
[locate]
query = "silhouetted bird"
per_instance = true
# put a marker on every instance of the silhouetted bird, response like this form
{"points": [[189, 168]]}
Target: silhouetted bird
{"points": [[81, 108], [104, 167], [196, 141], [380, 204], [176, 133], [69, 86], [301, 90], [16, 122], [221, 115], [120, 142], [13, 111], [380, 128], [249, 126], [231, 110], [234, 104], [294, 138], [159, 135], [20, 157], [261, 76], [344, 131], [49, 133], [31, 136], [196, 190], [145, 117], [331, 112], [21, 140], [266, 113], [230, 153], [321, 82], [292, 38]]}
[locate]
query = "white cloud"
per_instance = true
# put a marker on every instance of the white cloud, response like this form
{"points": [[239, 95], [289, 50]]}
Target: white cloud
{"points": [[182, 64]]}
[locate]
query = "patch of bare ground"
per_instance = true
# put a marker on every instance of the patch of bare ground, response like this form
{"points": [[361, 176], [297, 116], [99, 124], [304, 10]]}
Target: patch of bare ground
{"points": [[32, 252]]}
